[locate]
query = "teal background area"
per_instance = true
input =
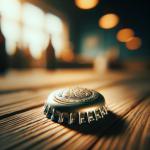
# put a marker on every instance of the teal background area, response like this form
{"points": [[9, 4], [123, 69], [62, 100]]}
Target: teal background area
{"points": [[134, 14]]}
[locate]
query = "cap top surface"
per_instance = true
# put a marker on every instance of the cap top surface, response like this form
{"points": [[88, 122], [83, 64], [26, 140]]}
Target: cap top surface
{"points": [[74, 95]]}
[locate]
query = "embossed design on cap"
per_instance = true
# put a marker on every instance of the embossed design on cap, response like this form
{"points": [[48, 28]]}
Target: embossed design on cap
{"points": [[75, 105], [75, 95]]}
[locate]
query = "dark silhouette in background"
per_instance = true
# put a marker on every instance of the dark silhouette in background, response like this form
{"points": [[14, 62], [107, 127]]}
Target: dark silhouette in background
{"points": [[19, 60], [3, 54], [132, 14], [50, 56]]}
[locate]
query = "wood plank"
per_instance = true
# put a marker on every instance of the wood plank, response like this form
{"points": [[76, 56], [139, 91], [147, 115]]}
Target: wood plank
{"points": [[35, 79], [37, 98], [39, 79], [45, 134], [127, 98]]}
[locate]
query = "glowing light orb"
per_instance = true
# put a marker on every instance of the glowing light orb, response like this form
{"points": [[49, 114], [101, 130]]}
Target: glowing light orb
{"points": [[86, 4], [108, 21], [134, 43], [125, 34]]}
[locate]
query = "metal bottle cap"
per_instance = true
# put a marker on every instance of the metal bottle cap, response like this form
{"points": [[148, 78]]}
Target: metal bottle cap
{"points": [[75, 105]]}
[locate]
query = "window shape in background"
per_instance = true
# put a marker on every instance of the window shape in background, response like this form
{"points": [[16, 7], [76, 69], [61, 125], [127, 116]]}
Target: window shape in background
{"points": [[33, 29], [29, 26], [10, 9]]}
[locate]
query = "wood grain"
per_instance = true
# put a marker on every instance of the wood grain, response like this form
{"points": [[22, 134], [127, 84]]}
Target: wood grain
{"points": [[24, 126]]}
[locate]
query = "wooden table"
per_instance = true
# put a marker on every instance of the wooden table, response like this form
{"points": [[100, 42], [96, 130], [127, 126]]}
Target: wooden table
{"points": [[23, 125]]}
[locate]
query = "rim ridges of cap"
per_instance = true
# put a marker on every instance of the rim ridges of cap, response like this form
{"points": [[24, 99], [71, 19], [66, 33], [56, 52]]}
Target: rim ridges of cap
{"points": [[75, 117]]}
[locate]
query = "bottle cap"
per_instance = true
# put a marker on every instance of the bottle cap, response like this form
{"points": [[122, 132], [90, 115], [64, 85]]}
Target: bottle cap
{"points": [[75, 105]]}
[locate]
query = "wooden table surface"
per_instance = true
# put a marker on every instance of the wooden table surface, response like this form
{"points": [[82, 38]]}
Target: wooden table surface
{"points": [[24, 126]]}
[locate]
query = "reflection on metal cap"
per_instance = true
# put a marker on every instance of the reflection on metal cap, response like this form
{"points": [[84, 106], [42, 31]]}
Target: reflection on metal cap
{"points": [[75, 105]]}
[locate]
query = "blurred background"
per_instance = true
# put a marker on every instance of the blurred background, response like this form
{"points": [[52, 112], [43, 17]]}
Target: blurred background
{"points": [[104, 34]]}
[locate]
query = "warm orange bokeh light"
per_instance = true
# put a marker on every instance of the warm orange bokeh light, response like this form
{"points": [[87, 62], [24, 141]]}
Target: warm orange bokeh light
{"points": [[67, 55], [125, 34], [86, 4], [134, 43], [108, 21]]}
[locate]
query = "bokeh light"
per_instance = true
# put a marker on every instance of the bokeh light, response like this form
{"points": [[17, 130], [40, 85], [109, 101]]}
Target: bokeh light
{"points": [[54, 26], [125, 34], [10, 9], [67, 55], [86, 4], [34, 36], [108, 21], [134, 43], [91, 42], [31, 27], [11, 30], [32, 16], [35, 40]]}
